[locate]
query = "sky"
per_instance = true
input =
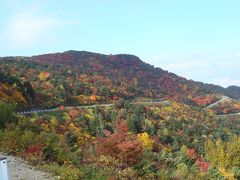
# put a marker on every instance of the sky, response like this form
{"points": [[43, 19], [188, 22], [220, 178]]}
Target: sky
{"points": [[199, 39]]}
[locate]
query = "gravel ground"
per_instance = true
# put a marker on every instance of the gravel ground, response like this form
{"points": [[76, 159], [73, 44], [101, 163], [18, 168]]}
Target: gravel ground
{"points": [[18, 169]]}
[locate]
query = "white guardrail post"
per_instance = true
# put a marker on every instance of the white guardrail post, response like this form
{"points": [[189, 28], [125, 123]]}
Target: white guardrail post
{"points": [[3, 169]]}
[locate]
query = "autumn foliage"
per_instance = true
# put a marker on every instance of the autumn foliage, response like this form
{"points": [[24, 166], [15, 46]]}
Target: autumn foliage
{"points": [[204, 100], [227, 107], [76, 78], [154, 124], [120, 145], [146, 140], [44, 76]]}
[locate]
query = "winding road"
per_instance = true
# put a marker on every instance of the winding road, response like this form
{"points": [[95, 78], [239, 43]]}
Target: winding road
{"points": [[224, 98], [33, 111], [233, 114]]}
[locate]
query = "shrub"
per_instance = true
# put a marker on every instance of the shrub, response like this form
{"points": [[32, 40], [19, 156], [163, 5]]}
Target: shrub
{"points": [[63, 172], [34, 153], [9, 141]]}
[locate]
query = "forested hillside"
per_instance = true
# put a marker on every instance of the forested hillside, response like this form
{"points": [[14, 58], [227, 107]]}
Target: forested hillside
{"points": [[79, 77]]}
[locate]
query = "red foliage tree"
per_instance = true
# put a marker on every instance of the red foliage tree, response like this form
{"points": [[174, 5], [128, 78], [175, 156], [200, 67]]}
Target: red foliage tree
{"points": [[62, 108], [120, 145], [191, 153], [203, 165]]}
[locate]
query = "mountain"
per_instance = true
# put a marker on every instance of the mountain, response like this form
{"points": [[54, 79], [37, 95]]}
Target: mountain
{"points": [[80, 77], [138, 139], [232, 91]]}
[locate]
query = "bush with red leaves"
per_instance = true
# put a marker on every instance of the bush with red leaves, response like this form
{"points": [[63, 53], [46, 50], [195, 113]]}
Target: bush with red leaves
{"points": [[203, 165], [120, 145], [34, 153], [191, 153]]}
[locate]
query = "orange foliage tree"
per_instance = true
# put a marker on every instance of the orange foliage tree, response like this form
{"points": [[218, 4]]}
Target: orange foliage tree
{"points": [[44, 75], [93, 97]]}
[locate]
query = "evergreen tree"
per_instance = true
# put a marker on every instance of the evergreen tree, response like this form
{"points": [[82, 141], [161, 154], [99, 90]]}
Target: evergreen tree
{"points": [[99, 124], [6, 113], [135, 123]]}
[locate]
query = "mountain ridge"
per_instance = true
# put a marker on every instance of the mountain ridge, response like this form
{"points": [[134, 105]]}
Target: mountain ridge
{"points": [[72, 77], [122, 54], [130, 57]]}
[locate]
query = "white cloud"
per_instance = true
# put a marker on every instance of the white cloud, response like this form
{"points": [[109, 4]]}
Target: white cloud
{"points": [[31, 26], [212, 68], [185, 65], [225, 82]]}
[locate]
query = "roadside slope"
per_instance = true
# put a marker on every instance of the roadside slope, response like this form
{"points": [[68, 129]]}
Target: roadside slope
{"points": [[18, 169]]}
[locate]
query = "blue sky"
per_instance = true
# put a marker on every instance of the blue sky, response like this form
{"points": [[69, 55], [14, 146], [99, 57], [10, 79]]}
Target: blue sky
{"points": [[199, 40]]}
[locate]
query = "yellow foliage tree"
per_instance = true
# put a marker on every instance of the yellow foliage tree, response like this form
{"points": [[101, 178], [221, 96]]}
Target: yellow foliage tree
{"points": [[53, 123], [146, 140], [224, 155]]}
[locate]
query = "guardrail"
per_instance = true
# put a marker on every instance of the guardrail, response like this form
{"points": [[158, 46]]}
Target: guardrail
{"points": [[37, 111], [33, 111]]}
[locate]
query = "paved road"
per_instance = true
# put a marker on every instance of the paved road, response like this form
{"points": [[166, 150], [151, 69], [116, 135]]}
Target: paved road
{"points": [[56, 109], [37, 111], [233, 114], [84, 106], [224, 98]]}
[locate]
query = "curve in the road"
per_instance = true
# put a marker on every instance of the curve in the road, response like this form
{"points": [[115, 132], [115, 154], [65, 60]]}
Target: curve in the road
{"points": [[224, 98]]}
